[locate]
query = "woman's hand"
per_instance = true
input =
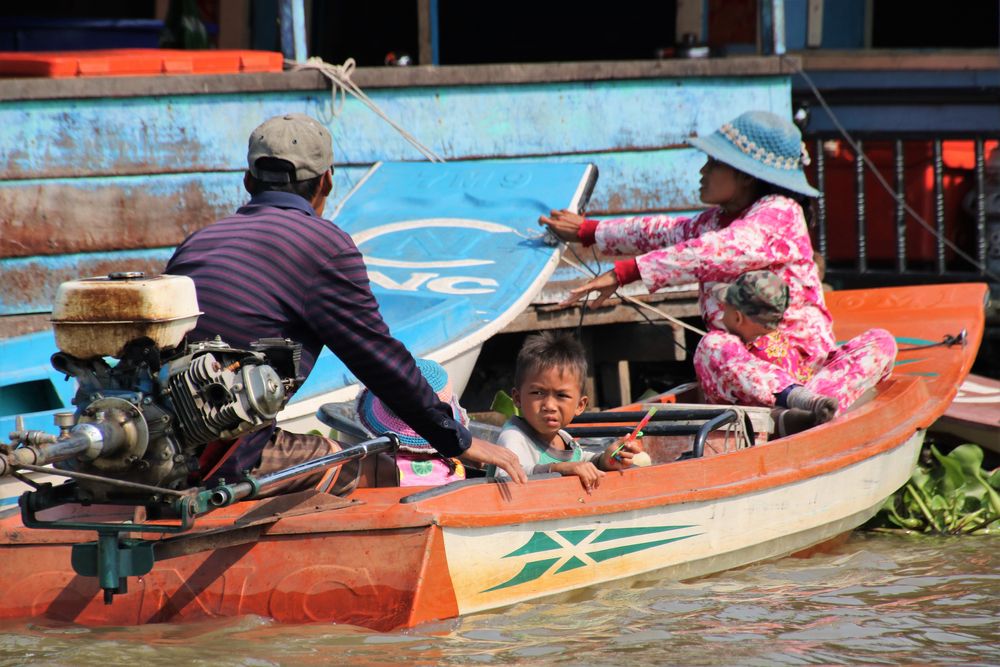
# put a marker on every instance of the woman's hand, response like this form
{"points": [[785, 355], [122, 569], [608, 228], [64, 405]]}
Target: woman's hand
{"points": [[619, 459], [565, 225], [588, 473], [604, 284]]}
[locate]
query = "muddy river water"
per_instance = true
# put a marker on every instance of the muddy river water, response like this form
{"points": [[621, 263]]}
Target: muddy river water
{"points": [[878, 599]]}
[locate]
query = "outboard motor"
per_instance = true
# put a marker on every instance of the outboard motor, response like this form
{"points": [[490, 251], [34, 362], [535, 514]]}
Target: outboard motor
{"points": [[147, 403]]}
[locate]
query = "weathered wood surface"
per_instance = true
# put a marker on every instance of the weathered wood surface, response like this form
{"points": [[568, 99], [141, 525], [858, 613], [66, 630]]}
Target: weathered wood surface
{"points": [[398, 77], [72, 215], [614, 311], [28, 285], [105, 175], [180, 134], [97, 214]]}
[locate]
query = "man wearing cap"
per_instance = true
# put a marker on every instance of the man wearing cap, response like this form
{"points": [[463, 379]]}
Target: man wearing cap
{"points": [[276, 268]]}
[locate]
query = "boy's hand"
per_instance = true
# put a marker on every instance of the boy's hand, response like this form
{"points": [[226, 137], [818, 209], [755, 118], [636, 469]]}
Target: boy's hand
{"points": [[564, 224], [588, 473], [623, 459]]}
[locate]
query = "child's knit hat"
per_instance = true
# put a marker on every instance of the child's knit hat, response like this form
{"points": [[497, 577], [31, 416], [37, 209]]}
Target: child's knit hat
{"points": [[378, 418]]}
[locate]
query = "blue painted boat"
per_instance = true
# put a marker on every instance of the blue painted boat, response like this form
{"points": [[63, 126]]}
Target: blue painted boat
{"points": [[454, 254]]}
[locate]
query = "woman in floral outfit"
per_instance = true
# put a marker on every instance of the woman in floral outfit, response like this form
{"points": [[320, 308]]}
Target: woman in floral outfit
{"points": [[753, 178]]}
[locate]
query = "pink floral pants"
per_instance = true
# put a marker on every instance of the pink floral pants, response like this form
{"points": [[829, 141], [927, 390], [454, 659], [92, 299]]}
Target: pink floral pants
{"points": [[729, 373]]}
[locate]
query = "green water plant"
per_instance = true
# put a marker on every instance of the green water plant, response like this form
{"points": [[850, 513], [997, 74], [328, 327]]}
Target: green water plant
{"points": [[951, 494], [504, 404]]}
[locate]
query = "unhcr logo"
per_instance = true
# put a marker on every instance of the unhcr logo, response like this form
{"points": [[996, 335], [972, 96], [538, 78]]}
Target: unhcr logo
{"points": [[435, 252]]}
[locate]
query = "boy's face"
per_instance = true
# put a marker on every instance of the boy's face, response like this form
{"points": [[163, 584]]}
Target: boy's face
{"points": [[548, 399], [738, 324]]}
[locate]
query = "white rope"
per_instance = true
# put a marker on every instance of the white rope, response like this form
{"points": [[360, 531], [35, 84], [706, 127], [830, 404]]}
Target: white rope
{"points": [[340, 80], [739, 430], [637, 302]]}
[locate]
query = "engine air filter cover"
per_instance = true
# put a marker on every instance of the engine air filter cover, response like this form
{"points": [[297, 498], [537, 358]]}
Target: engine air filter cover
{"points": [[97, 317]]}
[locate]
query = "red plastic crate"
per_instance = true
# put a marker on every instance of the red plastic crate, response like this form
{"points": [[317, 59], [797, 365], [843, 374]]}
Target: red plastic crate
{"points": [[137, 62]]}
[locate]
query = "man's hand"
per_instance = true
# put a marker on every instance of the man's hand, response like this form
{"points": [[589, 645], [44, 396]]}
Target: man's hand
{"points": [[485, 453], [588, 473], [564, 224]]}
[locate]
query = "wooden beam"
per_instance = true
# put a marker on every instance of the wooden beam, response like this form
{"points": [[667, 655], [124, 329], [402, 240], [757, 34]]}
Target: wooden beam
{"points": [[690, 20], [624, 383], [397, 77], [425, 52], [234, 24], [814, 24], [537, 318]]}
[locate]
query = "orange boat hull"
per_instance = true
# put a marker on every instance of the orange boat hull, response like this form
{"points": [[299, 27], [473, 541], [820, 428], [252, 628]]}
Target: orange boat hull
{"points": [[381, 563]]}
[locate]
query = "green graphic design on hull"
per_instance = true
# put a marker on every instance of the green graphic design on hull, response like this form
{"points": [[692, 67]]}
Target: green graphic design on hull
{"points": [[577, 549]]}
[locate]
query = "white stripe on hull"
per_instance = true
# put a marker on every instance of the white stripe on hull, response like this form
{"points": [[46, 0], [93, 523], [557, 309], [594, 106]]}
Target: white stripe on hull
{"points": [[496, 566]]}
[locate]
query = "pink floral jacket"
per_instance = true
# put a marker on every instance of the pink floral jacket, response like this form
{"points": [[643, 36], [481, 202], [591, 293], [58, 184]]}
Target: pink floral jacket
{"points": [[771, 234]]}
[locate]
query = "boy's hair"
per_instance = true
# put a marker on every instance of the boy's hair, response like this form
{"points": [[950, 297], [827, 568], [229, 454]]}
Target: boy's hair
{"points": [[550, 349]]}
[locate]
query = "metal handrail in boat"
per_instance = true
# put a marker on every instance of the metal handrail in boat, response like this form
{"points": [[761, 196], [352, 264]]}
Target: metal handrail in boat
{"points": [[715, 419]]}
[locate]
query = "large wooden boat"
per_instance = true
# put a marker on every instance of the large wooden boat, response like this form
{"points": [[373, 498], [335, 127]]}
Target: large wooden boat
{"points": [[454, 254], [387, 558]]}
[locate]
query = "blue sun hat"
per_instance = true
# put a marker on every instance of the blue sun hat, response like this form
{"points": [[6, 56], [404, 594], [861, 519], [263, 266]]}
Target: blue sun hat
{"points": [[763, 145], [378, 418]]}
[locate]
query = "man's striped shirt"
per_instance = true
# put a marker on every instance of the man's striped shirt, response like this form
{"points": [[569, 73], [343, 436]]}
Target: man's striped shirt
{"points": [[276, 269]]}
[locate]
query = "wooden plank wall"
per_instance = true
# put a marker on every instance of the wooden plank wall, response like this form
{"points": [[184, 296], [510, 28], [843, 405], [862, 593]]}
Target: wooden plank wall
{"points": [[90, 185]]}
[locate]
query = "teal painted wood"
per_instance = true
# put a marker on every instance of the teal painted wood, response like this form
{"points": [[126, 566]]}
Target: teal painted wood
{"points": [[110, 215], [47, 216], [89, 186], [28, 284], [642, 181], [71, 215], [208, 132]]}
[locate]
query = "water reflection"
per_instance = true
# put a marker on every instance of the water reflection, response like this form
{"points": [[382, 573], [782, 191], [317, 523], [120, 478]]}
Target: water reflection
{"points": [[879, 599]]}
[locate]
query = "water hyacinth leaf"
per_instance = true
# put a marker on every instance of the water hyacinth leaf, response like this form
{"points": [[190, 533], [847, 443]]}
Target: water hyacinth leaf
{"points": [[975, 498], [951, 495], [993, 496], [504, 404], [954, 475], [970, 457], [908, 522], [921, 478]]}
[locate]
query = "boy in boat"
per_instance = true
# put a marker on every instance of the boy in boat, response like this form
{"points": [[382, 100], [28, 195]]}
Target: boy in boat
{"points": [[753, 307], [548, 390]]}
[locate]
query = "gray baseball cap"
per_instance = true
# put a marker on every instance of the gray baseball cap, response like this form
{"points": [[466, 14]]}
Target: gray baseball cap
{"points": [[295, 138]]}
